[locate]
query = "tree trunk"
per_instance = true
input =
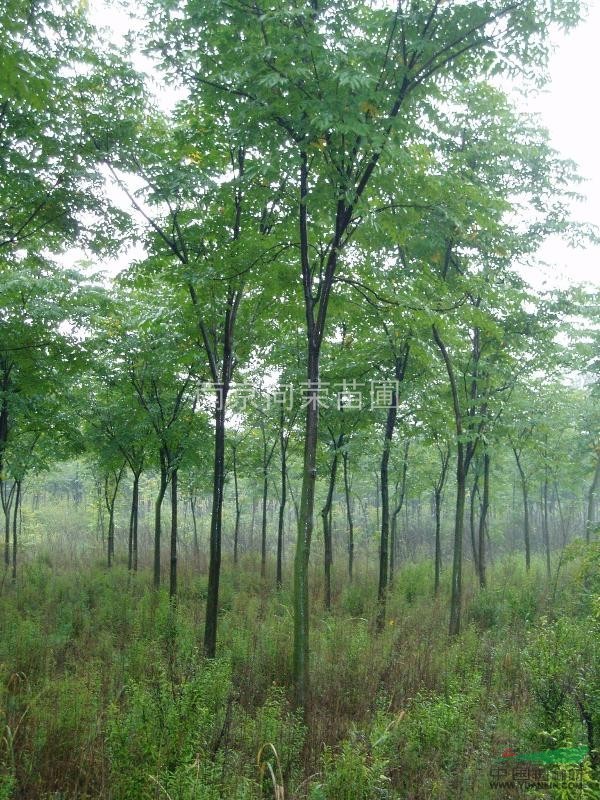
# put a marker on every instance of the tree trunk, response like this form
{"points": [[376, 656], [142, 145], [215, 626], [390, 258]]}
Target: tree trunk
{"points": [[214, 568], [326, 517], [464, 456], [263, 530], [438, 492], [472, 510], [397, 509], [348, 517], [236, 529], [437, 500], [111, 534], [546, 527], [591, 499], [7, 501], [252, 520], [157, 518], [315, 307], [483, 520], [132, 556], [195, 524], [6, 510], [130, 539], [135, 504], [526, 525], [525, 493], [15, 529], [282, 503], [328, 558], [459, 523], [110, 499], [4, 492], [173, 565], [385, 513], [305, 529]]}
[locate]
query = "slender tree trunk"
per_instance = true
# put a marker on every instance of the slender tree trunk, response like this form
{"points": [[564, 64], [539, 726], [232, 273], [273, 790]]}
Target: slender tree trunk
{"points": [[195, 524], [328, 558], [5, 494], [459, 524], [483, 521], [394, 545], [591, 499], [135, 507], [526, 533], [110, 497], [349, 516], [546, 527], [464, 456], [263, 530], [385, 513], [173, 570], [214, 568], [437, 559], [397, 509], [6, 510], [472, 525], [236, 529], [252, 520], [133, 517], [130, 539], [525, 493], [16, 509], [438, 493], [305, 529], [326, 517], [157, 518], [315, 307], [111, 534], [282, 503]]}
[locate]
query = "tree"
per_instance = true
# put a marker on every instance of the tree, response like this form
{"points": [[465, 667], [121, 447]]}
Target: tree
{"points": [[152, 359], [333, 86], [43, 310]]}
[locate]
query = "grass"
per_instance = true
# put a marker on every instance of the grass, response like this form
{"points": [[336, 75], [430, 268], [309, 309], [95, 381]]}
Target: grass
{"points": [[105, 693]]}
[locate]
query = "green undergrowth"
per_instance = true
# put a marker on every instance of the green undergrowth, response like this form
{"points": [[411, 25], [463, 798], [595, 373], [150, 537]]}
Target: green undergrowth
{"points": [[105, 693]]}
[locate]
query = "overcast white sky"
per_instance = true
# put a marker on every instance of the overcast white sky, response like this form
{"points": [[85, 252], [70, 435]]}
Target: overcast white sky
{"points": [[569, 110]]}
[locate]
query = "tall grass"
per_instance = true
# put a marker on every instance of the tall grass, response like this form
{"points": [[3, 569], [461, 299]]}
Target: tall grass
{"points": [[105, 693]]}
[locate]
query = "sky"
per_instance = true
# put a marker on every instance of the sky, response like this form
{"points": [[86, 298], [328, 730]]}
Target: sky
{"points": [[568, 110]]}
